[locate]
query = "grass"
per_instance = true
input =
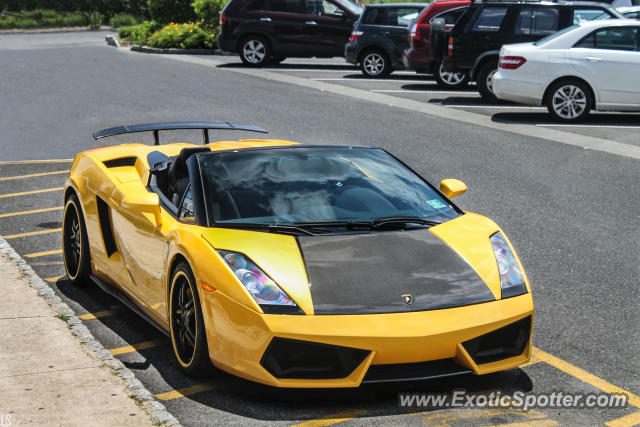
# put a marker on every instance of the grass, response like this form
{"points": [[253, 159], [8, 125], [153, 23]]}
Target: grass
{"points": [[41, 18], [62, 317]]}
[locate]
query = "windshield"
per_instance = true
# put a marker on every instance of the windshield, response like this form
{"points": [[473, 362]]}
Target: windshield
{"points": [[352, 7], [288, 186], [554, 35]]}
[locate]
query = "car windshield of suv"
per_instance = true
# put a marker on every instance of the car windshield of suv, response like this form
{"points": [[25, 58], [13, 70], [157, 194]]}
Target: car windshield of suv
{"points": [[297, 185], [350, 6]]}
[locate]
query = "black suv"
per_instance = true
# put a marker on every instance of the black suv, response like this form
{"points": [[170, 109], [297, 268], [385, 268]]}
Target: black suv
{"points": [[268, 31], [474, 43], [380, 36]]}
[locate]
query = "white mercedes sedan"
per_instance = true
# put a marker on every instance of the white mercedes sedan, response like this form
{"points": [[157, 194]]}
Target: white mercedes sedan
{"points": [[592, 65]]}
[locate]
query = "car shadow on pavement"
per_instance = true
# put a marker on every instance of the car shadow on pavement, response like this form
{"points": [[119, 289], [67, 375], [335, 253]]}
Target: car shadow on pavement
{"points": [[593, 119], [431, 85], [339, 67]]}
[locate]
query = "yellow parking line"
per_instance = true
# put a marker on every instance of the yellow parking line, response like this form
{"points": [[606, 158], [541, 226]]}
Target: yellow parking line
{"points": [[32, 233], [537, 423], [585, 376], [137, 347], [32, 175], [35, 211], [27, 193], [45, 253], [103, 313], [187, 391], [626, 421], [35, 162], [534, 360], [53, 279], [333, 418], [46, 263]]}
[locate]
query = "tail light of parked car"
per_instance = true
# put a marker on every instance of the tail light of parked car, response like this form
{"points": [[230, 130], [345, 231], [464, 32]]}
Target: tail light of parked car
{"points": [[450, 46], [511, 62], [223, 18], [354, 36]]}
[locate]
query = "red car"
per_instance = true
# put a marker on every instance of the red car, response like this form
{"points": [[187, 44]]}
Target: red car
{"points": [[417, 57]]}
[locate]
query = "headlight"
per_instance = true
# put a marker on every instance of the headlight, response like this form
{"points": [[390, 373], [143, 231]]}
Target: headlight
{"points": [[260, 286], [511, 277]]}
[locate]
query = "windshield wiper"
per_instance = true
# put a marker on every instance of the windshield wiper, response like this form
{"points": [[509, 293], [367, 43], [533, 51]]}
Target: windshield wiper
{"points": [[349, 225], [272, 228], [401, 220]]}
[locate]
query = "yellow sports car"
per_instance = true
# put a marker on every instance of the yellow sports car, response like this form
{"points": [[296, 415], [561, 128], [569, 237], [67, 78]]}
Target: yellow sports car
{"points": [[296, 265]]}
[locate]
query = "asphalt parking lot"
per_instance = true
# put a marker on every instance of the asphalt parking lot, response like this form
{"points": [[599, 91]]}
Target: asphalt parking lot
{"points": [[572, 213]]}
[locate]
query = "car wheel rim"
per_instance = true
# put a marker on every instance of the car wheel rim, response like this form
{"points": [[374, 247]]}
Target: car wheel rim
{"points": [[184, 319], [449, 77], [72, 242], [254, 51], [569, 102], [373, 64], [490, 80]]}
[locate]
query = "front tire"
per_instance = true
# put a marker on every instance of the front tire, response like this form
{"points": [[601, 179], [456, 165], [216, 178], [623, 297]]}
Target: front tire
{"points": [[375, 63], [485, 81], [450, 80], [188, 337], [75, 243], [255, 51], [569, 101]]}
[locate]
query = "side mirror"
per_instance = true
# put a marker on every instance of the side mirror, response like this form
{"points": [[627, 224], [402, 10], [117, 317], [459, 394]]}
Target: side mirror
{"points": [[144, 203], [452, 187], [339, 13]]}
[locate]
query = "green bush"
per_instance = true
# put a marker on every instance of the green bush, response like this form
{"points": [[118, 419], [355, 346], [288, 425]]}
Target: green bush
{"points": [[95, 19], [208, 11], [122, 20], [167, 11], [184, 36], [40, 18], [138, 34]]}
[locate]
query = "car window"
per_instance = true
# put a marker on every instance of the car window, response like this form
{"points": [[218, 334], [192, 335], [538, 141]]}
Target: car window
{"points": [[257, 5], [292, 6], [490, 19], [614, 38], [315, 184], [632, 15], [590, 14], [545, 20], [402, 16], [322, 8], [451, 16], [374, 16], [523, 24], [554, 35], [187, 210]]}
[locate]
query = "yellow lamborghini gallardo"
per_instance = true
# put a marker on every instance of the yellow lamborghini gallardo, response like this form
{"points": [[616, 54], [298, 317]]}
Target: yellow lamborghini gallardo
{"points": [[296, 265]]}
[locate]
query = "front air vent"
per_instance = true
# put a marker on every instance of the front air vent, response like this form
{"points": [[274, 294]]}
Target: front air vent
{"points": [[105, 227], [120, 162], [508, 341]]}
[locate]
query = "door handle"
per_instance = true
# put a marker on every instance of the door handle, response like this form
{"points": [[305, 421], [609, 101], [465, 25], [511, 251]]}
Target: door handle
{"points": [[311, 23], [593, 59], [265, 19]]}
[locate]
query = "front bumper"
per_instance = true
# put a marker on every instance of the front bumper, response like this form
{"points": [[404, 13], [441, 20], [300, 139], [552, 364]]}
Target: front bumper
{"points": [[384, 347]]}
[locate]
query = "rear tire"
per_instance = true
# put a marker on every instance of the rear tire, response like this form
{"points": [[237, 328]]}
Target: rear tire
{"points": [[569, 101], [75, 244], [449, 80], [485, 81], [277, 59], [374, 63], [188, 336], [255, 51]]}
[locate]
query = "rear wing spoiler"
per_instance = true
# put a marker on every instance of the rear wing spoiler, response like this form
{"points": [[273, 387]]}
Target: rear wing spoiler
{"points": [[156, 127]]}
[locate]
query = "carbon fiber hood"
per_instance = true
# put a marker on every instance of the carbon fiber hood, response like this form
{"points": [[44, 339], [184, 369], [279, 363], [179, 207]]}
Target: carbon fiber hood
{"points": [[388, 272]]}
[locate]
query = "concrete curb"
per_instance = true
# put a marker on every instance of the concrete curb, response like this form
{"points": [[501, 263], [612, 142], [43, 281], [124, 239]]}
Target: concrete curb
{"points": [[155, 409], [55, 30], [175, 51]]}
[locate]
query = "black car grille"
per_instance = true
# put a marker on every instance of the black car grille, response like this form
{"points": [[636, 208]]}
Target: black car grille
{"points": [[508, 341], [413, 371], [294, 359]]}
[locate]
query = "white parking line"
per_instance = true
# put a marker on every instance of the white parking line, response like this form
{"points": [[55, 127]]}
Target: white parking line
{"points": [[365, 79], [591, 126], [452, 92]]}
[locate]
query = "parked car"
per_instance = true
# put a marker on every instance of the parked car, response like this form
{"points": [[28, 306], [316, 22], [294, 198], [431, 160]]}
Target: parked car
{"points": [[631, 12], [417, 57], [593, 65], [473, 44], [268, 31], [379, 37]]}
